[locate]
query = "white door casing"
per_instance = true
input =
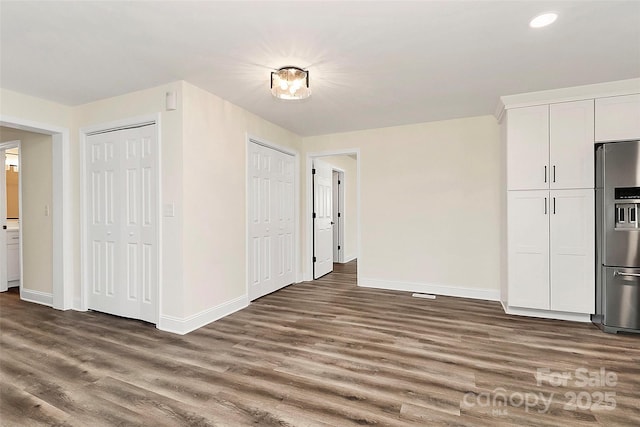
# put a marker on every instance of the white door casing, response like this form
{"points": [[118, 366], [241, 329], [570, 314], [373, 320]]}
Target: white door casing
{"points": [[271, 216], [122, 222], [528, 248], [322, 218], [337, 218]]}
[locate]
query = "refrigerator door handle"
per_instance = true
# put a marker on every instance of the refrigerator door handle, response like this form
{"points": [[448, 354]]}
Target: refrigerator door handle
{"points": [[619, 273]]}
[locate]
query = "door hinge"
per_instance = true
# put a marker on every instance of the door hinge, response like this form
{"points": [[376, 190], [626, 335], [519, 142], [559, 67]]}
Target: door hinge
{"points": [[339, 214], [313, 171], [314, 215], [338, 247], [4, 227], [339, 182], [314, 259]]}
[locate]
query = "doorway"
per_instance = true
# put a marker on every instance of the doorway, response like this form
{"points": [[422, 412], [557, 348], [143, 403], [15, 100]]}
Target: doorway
{"points": [[60, 209], [10, 205], [344, 246]]}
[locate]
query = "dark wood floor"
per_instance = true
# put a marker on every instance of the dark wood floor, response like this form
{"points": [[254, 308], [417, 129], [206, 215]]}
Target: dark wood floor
{"points": [[317, 353]]}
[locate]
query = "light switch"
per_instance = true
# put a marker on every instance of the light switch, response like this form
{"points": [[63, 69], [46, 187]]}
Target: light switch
{"points": [[168, 210]]}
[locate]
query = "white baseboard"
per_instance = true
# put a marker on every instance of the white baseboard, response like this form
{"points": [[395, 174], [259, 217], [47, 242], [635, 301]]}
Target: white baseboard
{"points": [[426, 288], [44, 298], [349, 258], [185, 325], [547, 314]]}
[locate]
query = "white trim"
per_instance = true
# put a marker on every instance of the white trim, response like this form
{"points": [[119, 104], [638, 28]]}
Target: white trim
{"points": [[38, 297], [82, 303], [307, 264], [343, 204], [185, 325], [252, 139], [349, 258], [430, 288], [63, 224], [567, 94], [547, 314]]}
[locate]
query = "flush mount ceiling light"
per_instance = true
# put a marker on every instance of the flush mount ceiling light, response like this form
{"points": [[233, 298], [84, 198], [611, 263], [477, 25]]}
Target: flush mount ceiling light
{"points": [[543, 20], [290, 83]]}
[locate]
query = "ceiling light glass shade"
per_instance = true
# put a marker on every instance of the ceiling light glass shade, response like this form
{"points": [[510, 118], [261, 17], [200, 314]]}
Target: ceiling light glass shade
{"points": [[290, 83], [543, 20]]}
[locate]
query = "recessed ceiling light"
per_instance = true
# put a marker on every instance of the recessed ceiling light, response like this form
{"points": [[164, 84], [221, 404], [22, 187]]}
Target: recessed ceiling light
{"points": [[543, 20]]}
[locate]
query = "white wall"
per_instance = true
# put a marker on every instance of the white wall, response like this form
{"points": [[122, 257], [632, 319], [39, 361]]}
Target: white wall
{"points": [[349, 165], [430, 200], [37, 192], [214, 149]]}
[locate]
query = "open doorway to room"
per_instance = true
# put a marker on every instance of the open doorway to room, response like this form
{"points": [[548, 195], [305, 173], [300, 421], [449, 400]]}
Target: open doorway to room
{"points": [[45, 216], [333, 202], [10, 253]]}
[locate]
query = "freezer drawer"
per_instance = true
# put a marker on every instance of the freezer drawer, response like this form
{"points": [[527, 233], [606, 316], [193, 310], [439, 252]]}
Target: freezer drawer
{"points": [[622, 297]]}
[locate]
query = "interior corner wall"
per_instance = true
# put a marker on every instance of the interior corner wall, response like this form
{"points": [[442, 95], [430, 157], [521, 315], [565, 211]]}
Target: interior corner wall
{"points": [[215, 186], [37, 192], [136, 104], [430, 205], [350, 211]]}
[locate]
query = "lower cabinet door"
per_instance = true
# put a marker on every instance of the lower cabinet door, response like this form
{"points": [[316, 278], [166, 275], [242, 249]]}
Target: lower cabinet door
{"points": [[572, 251], [528, 249], [13, 262]]}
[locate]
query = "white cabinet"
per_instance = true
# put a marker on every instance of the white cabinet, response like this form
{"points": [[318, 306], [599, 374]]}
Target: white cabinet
{"points": [[528, 148], [571, 152], [572, 250], [550, 146], [528, 248], [551, 250], [617, 118], [13, 255]]}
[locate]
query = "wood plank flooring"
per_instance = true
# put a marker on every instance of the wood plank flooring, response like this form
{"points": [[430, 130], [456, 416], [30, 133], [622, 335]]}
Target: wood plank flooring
{"points": [[316, 353]]}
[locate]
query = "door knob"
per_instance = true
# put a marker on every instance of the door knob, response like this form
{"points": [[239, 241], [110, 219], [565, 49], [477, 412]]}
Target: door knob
{"points": [[332, 223]]}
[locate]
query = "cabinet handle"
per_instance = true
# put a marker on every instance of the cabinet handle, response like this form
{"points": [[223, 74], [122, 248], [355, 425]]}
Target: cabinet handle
{"points": [[545, 205], [554, 205], [554, 173], [545, 174]]}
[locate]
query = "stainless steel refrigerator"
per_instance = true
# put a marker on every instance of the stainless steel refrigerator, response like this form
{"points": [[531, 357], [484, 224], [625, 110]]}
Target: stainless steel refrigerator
{"points": [[618, 237]]}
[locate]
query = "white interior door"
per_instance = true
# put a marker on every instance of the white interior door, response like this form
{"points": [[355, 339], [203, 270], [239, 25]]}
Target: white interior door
{"points": [[337, 247], [322, 219], [271, 220], [3, 224], [122, 222]]}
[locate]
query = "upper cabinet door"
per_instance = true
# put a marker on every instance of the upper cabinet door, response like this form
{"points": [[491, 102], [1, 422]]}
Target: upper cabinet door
{"points": [[528, 148], [571, 145], [618, 118]]}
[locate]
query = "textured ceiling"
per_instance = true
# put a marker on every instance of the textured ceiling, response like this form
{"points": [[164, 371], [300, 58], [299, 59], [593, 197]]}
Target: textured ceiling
{"points": [[371, 64]]}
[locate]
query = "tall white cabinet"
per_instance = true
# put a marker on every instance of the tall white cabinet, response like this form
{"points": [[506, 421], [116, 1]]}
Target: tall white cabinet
{"points": [[550, 209]]}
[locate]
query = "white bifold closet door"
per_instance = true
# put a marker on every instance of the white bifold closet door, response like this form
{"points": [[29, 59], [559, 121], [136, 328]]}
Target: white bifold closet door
{"points": [[271, 220], [122, 222]]}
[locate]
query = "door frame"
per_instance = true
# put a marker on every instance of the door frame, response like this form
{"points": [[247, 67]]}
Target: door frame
{"points": [[84, 250], [308, 230], [252, 139], [339, 221], [4, 283], [61, 212]]}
